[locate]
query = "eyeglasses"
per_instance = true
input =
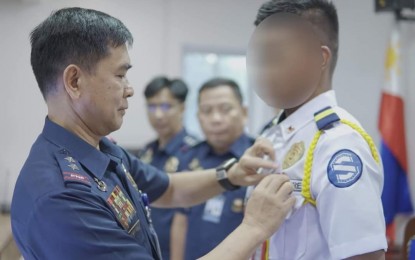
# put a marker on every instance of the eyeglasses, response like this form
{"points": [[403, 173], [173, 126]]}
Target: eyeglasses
{"points": [[164, 107]]}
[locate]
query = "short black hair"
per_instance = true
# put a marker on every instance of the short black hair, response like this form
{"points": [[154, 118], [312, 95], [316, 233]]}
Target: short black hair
{"points": [[177, 87], [73, 36], [322, 14], [218, 82]]}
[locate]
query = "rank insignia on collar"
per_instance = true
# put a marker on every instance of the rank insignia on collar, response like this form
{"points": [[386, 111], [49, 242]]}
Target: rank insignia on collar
{"points": [[293, 155], [171, 164]]}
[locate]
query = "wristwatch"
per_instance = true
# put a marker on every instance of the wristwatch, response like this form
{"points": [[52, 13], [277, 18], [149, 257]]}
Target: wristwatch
{"points": [[222, 174]]}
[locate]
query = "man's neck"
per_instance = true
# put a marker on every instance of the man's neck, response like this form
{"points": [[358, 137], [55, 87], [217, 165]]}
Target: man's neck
{"points": [[77, 127], [221, 150], [320, 90], [225, 148], [164, 140]]}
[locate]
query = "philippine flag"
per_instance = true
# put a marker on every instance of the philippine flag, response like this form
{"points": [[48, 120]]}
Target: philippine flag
{"points": [[395, 197]]}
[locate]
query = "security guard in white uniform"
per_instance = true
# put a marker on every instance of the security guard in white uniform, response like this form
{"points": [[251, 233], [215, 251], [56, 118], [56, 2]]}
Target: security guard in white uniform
{"points": [[338, 180], [332, 162]]}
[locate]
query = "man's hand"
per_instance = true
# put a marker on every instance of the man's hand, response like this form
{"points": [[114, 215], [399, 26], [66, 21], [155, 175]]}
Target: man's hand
{"points": [[269, 204], [266, 210], [244, 173]]}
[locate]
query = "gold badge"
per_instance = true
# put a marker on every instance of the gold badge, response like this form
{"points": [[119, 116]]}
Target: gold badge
{"points": [[195, 165], [238, 205], [172, 164], [147, 157], [295, 153]]}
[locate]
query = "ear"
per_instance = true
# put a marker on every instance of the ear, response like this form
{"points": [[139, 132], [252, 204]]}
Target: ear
{"points": [[182, 107], [327, 57], [71, 81]]}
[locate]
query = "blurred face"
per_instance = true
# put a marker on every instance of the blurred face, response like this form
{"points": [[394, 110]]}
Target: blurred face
{"points": [[221, 117], [100, 98], [284, 63], [165, 113]]}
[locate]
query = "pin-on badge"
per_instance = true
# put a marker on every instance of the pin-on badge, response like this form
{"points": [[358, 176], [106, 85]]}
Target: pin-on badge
{"points": [[238, 205], [172, 164], [101, 185], [293, 155], [147, 157], [195, 165]]}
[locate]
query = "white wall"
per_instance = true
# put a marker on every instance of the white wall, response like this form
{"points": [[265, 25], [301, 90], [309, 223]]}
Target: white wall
{"points": [[23, 107], [359, 76], [161, 28]]}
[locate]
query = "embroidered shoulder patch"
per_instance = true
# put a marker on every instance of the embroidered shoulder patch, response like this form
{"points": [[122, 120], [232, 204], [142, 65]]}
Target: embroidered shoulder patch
{"points": [[344, 169]]}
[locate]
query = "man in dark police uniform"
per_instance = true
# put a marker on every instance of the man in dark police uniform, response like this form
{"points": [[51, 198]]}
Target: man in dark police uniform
{"points": [[79, 196]]}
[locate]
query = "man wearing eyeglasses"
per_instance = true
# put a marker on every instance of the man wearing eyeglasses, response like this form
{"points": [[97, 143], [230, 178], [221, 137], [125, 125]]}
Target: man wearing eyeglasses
{"points": [[165, 107]]}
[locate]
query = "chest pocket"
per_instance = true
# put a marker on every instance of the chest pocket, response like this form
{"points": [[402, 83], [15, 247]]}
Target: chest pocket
{"points": [[324, 120], [123, 210], [141, 226]]}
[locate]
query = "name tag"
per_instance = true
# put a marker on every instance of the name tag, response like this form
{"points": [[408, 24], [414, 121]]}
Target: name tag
{"points": [[213, 209], [298, 184]]}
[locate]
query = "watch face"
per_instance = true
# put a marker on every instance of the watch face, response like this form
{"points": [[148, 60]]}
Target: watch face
{"points": [[221, 174]]}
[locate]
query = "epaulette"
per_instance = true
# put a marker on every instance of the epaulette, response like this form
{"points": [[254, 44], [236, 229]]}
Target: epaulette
{"points": [[72, 172], [325, 118]]}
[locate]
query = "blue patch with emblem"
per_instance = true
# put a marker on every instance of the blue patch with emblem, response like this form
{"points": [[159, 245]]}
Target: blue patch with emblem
{"points": [[344, 169]]}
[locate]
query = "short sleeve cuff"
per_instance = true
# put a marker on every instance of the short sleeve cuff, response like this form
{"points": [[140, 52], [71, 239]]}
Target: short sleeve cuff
{"points": [[359, 247]]}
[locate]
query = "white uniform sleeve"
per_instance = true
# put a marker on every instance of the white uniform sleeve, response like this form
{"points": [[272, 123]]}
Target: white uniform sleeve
{"points": [[347, 184]]}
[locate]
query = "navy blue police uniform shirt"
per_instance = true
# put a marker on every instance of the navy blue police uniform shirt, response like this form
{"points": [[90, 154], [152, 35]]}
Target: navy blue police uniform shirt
{"points": [[166, 159], [73, 201], [211, 222]]}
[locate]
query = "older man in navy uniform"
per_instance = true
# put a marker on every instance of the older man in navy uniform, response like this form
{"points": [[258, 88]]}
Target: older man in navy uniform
{"points": [[79, 196], [222, 117], [165, 108]]}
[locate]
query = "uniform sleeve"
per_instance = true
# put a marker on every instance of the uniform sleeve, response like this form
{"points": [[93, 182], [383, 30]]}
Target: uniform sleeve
{"points": [[184, 162], [411, 249], [75, 225], [184, 211], [149, 179], [347, 184]]}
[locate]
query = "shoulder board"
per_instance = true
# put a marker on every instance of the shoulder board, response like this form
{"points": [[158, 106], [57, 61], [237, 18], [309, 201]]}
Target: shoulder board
{"points": [[325, 118], [189, 142], [71, 170]]}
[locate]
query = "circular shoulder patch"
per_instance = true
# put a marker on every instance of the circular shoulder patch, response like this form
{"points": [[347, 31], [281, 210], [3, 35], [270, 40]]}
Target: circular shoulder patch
{"points": [[344, 169]]}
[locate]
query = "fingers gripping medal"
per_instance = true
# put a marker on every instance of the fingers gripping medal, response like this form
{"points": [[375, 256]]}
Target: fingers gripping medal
{"points": [[272, 137], [277, 144]]}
